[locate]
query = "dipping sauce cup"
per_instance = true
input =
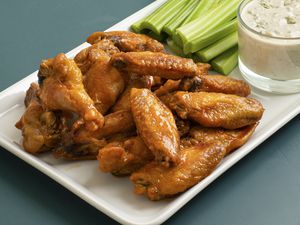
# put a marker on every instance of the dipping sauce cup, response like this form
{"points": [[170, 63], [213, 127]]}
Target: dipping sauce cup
{"points": [[266, 61]]}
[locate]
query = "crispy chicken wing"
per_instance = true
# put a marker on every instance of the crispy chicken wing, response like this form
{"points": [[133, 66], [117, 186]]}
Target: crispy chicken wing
{"points": [[62, 89], [117, 122], [127, 41], [231, 139], [88, 56], [155, 64], [40, 129], [124, 157], [104, 84], [156, 125], [206, 83], [197, 162], [215, 83], [215, 109], [199, 156]]}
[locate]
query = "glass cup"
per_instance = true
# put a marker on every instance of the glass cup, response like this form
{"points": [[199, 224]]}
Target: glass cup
{"points": [[268, 63]]}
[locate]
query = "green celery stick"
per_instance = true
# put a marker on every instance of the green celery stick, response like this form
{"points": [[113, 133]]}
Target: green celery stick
{"points": [[167, 11], [136, 27], [202, 7], [218, 47], [224, 12], [177, 20], [213, 36], [226, 62]]}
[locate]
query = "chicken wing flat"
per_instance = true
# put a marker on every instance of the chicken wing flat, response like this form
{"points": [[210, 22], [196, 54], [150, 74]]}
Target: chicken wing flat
{"points": [[156, 125], [200, 154], [215, 83], [124, 157], [61, 88], [216, 109], [231, 139], [39, 128], [104, 84], [155, 64], [127, 41], [197, 162], [88, 56], [117, 122]]}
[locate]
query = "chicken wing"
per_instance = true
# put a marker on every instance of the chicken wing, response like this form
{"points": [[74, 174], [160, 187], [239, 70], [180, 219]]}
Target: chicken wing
{"points": [[88, 56], [104, 84], [124, 157], [156, 125], [127, 41], [231, 139], [155, 64], [40, 128], [216, 109], [216, 83], [61, 88], [199, 156], [197, 162], [117, 122]]}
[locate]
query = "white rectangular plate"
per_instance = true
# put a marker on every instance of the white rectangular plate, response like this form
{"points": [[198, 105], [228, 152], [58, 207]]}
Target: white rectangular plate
{"points": [[114, 196]]}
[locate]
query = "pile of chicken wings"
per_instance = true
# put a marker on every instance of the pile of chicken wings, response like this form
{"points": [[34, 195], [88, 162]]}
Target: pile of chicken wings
{"points": [[141, 112]]}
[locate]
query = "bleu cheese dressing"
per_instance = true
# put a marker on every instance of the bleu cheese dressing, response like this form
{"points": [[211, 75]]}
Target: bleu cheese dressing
{"points": [[276, 18], [269, 44]]}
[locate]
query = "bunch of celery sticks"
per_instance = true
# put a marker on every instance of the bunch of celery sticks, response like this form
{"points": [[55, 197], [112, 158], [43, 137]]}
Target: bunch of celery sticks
{"points": [[204, 30]]}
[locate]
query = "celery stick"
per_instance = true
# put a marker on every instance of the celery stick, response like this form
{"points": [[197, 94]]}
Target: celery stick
{"points": [[202, 7], [224, 12], [162, 17], [161, 38], [136, 27], [218, 47], [177, 20], [177, 40], [213, 36], [226, 62]]}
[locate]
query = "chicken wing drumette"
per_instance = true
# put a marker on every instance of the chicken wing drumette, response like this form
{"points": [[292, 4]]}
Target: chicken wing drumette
{"points": [[88, 56], [40, 128], [104, 84], [124, 157], [61, 88]]}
